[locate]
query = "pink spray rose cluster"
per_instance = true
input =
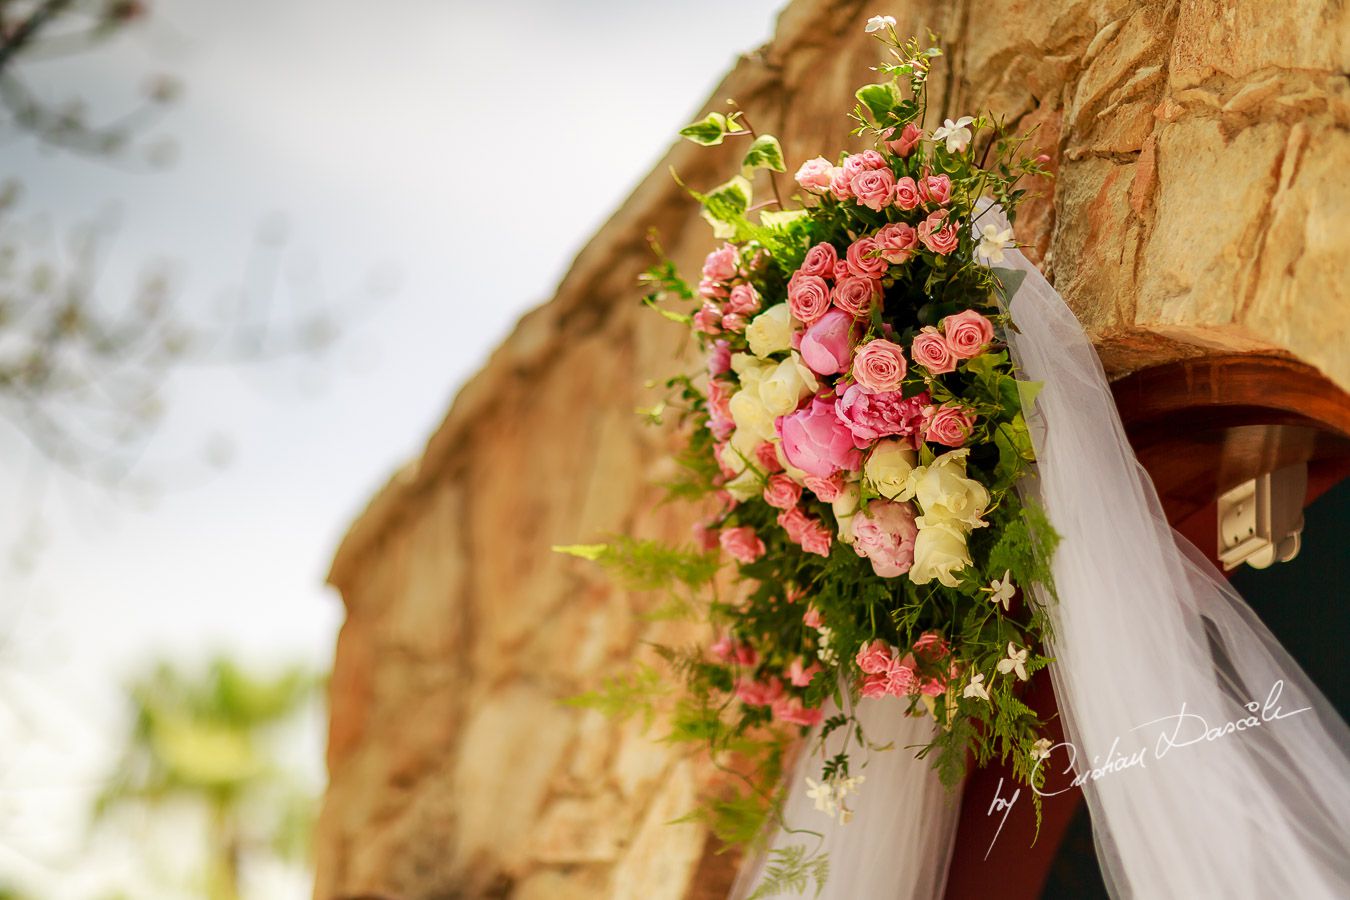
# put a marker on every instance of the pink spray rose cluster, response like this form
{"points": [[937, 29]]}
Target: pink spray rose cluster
{"points": [[729, 301]]}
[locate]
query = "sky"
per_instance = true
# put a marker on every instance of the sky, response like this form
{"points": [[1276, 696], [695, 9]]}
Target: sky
{"points": [[416, 153]]}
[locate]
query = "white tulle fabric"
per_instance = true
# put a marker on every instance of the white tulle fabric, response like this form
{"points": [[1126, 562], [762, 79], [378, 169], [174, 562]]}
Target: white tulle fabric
{"points": [[1149, 640], [899, 842], [1146, 628]]}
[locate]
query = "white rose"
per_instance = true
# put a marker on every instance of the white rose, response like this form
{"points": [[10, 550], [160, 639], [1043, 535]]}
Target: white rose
{"points": [[770, 331], [737, 456], [783, 388], [745, 485], [748, 369], [939, 552], [946, 495], [845, 507], [888, 468], [749, 414]]}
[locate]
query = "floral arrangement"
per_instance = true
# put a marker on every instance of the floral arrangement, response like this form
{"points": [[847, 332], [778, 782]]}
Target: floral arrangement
{"points": [[862, 430]]}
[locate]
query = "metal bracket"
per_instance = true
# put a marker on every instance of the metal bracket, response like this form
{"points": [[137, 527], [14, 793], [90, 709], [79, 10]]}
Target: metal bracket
{"points": [[1261, 521]]}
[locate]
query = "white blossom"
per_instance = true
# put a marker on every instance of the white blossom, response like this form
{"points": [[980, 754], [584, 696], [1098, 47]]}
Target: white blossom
{"points": [[1016, 662], [876, 23], [956, 134], [1001, 590], [831, 794], [976, 687], [1040, 750], [993, 242]]}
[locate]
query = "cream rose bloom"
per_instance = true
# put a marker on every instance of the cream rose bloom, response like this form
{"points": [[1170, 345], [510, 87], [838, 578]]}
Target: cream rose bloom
{"points": [[939, 552], [770, 331], [750, 416], [888, 468], [845, 507], [946, 495], [781, 389], [739, 449]]}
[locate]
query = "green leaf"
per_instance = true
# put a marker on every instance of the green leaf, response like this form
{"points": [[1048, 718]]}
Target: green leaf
{"points": [[725, 206], [709, 131], [879, 99], [1027, 392], [764, 153], [1009, 280], [782, 220]]}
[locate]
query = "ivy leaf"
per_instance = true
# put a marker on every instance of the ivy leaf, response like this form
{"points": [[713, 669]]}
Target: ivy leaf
{"points": [[879, 99], [1027, 392], [725, 206], [764, 153], [782, 220], [709, 131]]}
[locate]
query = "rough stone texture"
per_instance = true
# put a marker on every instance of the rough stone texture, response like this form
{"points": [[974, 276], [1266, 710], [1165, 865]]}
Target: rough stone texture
{"points": [[1201, 152]]}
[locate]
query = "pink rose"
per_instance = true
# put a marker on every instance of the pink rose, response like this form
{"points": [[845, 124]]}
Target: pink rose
{"points": [[880, 366], [968, 333], [896, 242], [708, 320], [781, 492], [801, 675], [876, 685], [905, 144], [827, 345], [744, 300], [884, 535], [758, 693], [827, 490], [734, 323], [815, 175], [712, 290], [719, 359], [721, 649], [935, 189], [856, 295], [746, 655], [841, 182], [720, 422], [820, 261], [907, 193], [871, 159], [811, 618], [931, 646], [950, 426], [870, 417], [722, 264], [900, 679], [861, 259], [875, 658], [787, 709], [939, 234], [766, 455], [817, 539], [705, 538], [873, 188], [794, 522], [932, 687], [742, 543], [931, 351], [808, 297]]}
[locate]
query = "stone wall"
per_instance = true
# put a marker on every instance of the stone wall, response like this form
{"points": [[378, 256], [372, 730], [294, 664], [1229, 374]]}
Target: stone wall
{"points": [[1201, 152]]}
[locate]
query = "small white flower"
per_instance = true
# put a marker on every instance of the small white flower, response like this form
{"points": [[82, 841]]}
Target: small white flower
{"points": [[825, 653], [976, 687], [829, 795], [956, 134], [822, 792], [1040, 750], [1016, 662], [993, 242], [876, 23], [1001, 591]]}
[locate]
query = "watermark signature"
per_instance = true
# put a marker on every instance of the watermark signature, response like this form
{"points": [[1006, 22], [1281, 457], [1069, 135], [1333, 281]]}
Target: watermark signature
{"points": [[1174, 732]]}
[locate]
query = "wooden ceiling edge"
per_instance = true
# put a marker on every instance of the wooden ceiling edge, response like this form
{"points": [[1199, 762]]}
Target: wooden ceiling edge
{"points": [[1243, 383]]}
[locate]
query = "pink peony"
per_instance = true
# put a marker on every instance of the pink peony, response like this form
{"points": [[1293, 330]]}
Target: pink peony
{"points": [[896, 242], [968, 333], [742, 543], [808, 297], [873, 188], [856, 295], [879, 366], [905, 144], [827, 490], [782, 492], [721, 264], [719, 358], [811, 618], [870, 417], [815, 175], [708, 319], [817, 539], [884, 535], [828, 344], [758, 693], [861, 259], [766, 455], [820, 261], [949, 426], [931, 351], [816, 441], [907, 193], [935, 189], [790, 709], [875, 658], [801, 675], [938, 233], [744, 300]]}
